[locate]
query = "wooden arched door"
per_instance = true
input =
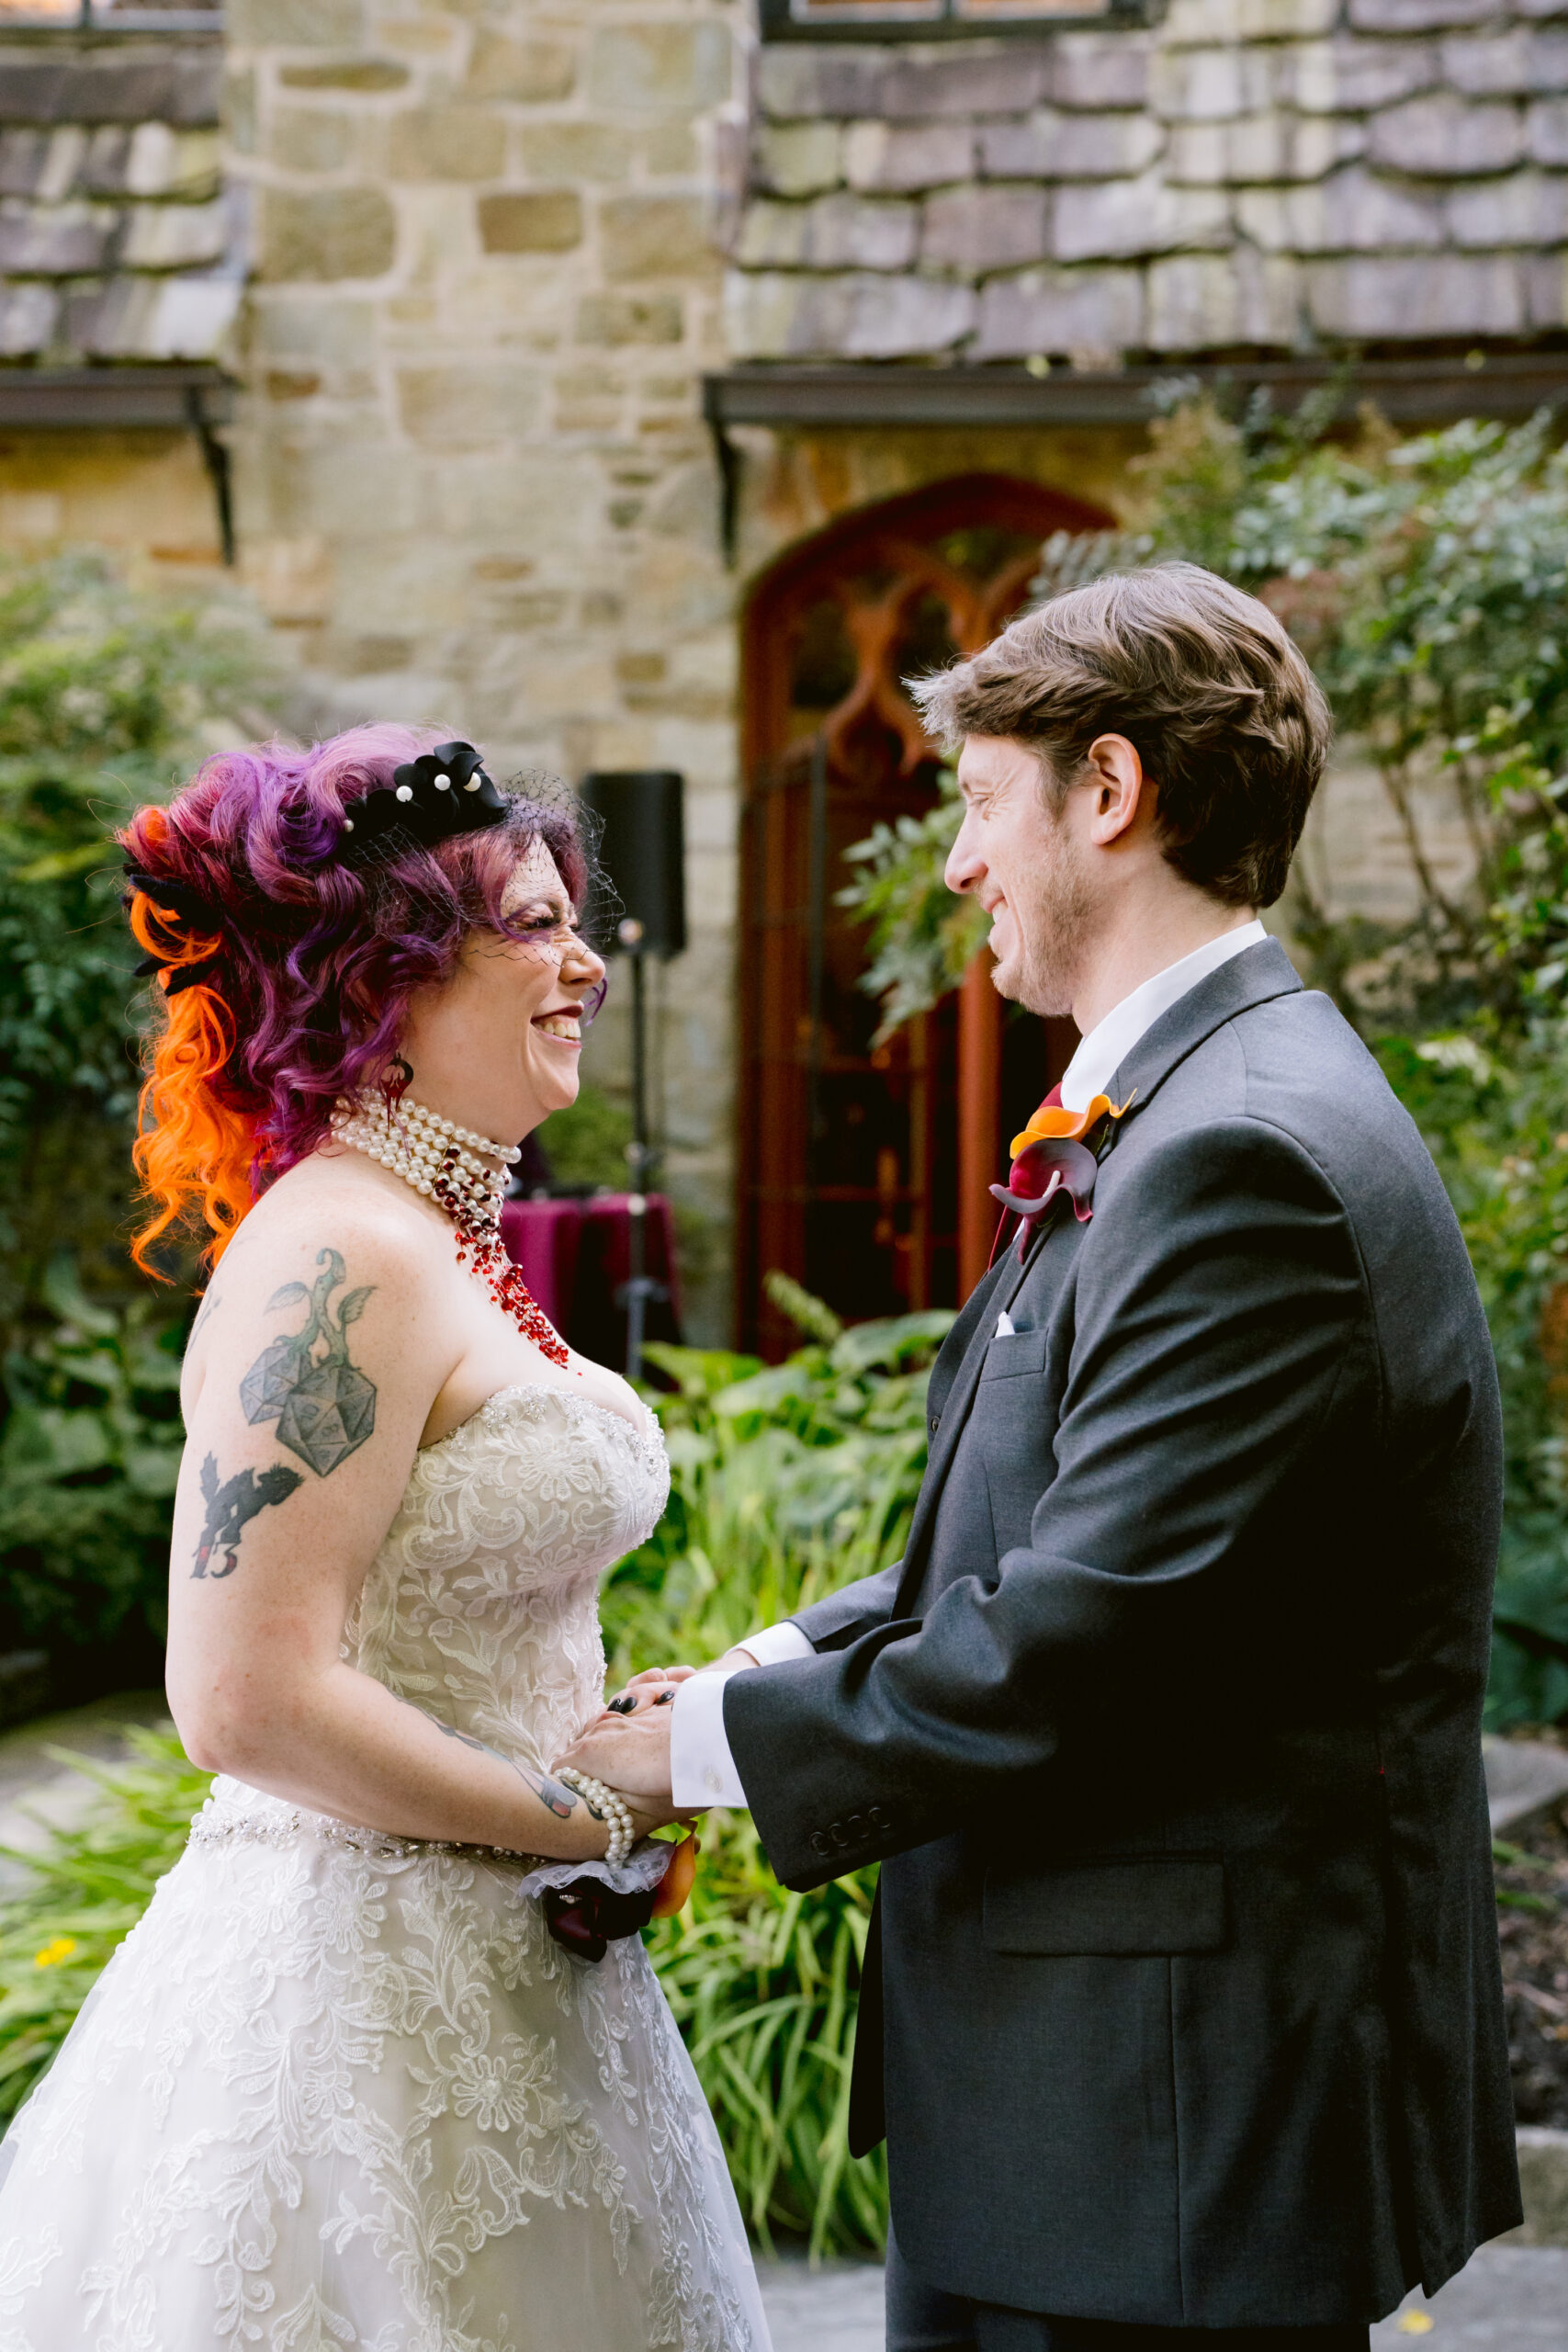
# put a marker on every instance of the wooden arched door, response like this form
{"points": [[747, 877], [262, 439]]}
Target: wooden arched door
{"points": [[849, 1175]]}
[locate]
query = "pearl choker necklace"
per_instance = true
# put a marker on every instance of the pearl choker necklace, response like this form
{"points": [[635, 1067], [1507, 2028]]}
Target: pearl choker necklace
{"points": [[446, 1164]]}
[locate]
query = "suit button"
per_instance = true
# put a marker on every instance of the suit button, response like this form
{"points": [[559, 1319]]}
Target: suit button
{"points": [[877, 1816], [936, 1423], [820, 1845], [856, 1827]]}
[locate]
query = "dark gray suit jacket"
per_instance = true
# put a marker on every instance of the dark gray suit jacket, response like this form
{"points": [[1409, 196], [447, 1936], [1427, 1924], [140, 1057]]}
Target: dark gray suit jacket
{"points": [[1167, 1727]]}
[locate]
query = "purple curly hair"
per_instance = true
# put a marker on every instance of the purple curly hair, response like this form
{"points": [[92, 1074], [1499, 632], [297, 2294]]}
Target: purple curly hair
{"points": [[308, 980]]}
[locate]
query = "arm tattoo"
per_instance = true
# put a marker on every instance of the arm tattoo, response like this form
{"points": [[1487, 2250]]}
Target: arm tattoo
{"points": [[561, 1801], [324, 1407], [231, 1505]]}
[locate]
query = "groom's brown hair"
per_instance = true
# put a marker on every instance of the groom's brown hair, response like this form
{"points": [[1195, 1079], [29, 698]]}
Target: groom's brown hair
{"points": [[1230, 723]]}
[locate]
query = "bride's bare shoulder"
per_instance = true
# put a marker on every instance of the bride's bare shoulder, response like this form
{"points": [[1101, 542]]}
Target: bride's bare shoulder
{"points": [[329, 1226]]}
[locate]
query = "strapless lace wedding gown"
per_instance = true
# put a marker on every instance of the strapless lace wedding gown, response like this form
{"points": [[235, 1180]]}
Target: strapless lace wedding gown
{"points": [[337, 2090]]}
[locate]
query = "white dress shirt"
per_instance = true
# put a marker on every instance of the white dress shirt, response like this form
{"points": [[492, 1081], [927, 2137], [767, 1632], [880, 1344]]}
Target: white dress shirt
{"points": [[702, 1770]]}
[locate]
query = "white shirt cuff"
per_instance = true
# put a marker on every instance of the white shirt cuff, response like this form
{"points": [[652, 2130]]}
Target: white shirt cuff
{"points": [[702, 1770], [775, 1644]]}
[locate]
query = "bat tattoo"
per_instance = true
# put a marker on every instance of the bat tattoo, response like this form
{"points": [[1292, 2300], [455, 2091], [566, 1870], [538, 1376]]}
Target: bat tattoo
{"points": [[231, 1508], [324, 1407]]}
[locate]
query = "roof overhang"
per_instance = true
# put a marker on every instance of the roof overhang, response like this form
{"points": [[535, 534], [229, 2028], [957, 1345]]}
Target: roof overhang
{"points": [[1408, 392], [172, 399]]}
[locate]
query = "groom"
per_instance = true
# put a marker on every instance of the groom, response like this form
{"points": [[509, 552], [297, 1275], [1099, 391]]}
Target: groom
{"points": [[1186, 2013]]}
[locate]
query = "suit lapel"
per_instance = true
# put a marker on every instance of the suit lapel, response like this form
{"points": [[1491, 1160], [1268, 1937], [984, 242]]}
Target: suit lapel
{"points": [[1252, 978], [955, 1405]]}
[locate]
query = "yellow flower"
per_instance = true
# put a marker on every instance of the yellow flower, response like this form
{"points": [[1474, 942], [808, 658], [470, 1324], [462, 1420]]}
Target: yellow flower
{"points": [[1415, 2324], [58, 1948]]}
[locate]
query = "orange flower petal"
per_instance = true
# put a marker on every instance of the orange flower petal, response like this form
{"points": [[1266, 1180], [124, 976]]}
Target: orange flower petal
{"points": [[1052, 1123], [676, 1884]]}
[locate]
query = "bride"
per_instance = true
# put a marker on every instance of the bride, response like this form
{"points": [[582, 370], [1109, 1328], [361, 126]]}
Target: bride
{"points": [[341, 2086]]}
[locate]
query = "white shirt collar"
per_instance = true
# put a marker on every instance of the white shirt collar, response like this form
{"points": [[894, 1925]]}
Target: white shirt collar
{"points": [[1109, 1043]]}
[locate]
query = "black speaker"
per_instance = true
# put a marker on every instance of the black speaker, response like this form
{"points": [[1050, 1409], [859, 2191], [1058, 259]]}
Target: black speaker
{"points": [[643, 852]]}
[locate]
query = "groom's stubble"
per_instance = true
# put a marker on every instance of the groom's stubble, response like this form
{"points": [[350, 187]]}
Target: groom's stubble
{"points": [[1054, 908]]}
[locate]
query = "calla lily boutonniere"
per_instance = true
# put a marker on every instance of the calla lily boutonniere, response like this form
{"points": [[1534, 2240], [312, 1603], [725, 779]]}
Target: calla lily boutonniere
{"points": [[1054, 1155]]}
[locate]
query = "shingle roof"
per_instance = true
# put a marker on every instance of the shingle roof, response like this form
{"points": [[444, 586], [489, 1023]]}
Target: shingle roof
{"points": [[118, 240], [1275, 175]]}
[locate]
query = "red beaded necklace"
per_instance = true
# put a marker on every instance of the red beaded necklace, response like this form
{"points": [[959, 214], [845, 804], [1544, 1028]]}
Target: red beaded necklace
{"points": [[445, 1163]]}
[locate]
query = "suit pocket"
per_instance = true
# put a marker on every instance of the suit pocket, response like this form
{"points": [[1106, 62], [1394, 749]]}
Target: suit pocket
{"points": [[1015, 1353], [1158, 1903]]}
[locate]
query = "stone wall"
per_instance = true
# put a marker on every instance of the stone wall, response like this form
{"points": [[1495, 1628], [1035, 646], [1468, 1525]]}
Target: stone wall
{"points": [[1257, 174], [473, 482]]}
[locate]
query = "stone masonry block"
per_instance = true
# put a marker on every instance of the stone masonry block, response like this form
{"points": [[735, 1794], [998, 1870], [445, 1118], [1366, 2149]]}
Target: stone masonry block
{"points": [[1211, 85], [1420, 16], [366, 76], [1443, 137], [1546, 288], [59, 241], [1547, 60], [656, 236], [174, 236], [1353, 212], [1525, 209], [1548, 128], [1196, 21], [898, 158], [1099, 68], [923, 86], [857, 316], [1206, 301], [1093, 314], [1051, 145], [1409, 296], [467, 404], [457, 142], [531, 72], [164, 84], [615, 320], [838, 232], [294, 24], [28, 313], [798, 158], [546, 220], [660, 68], [1348, 75], [1490, 65], [801, 84], [1120, 219], [977, 229], [574, 151], [1261, 148], [309, 139], [326, 234], [161, 162]]}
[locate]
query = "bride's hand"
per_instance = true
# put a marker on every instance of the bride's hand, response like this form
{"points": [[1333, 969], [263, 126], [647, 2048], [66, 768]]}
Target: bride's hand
{"points": [[656, 1687], [631, 1754]]}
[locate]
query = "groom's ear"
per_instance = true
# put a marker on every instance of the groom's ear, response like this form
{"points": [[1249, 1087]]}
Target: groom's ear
{"points": [[1113, 771]]}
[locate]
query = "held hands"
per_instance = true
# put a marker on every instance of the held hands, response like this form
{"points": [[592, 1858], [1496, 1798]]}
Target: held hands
{"points": [[628, 1746]]}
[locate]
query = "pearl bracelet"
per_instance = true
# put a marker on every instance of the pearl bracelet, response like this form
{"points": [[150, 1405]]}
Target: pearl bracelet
{"points": [[603, 1800]]}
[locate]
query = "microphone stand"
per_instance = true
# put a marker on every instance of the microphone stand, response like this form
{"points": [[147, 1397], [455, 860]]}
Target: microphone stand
{"points": [[640, 1291]]}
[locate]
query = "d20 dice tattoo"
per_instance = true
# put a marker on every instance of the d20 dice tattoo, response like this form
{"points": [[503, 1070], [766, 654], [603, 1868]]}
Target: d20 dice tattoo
{"points": [[324, 1405]]}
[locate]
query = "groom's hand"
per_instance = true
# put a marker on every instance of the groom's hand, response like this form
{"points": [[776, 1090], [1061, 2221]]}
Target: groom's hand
{"points": [[631, 1754]]}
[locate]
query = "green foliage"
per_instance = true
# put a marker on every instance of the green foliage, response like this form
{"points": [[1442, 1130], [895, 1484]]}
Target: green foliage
{"points": [[586, 1143], [84, 1892], [104, 698], [89, 1454], [921, 938]]}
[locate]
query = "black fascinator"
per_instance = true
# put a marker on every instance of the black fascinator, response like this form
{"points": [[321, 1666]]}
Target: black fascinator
{"points": [[429, 800]]}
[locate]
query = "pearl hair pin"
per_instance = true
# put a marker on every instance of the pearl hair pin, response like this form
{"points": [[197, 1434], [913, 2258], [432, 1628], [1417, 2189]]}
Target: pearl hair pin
{"points": [[465, 1175]]}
